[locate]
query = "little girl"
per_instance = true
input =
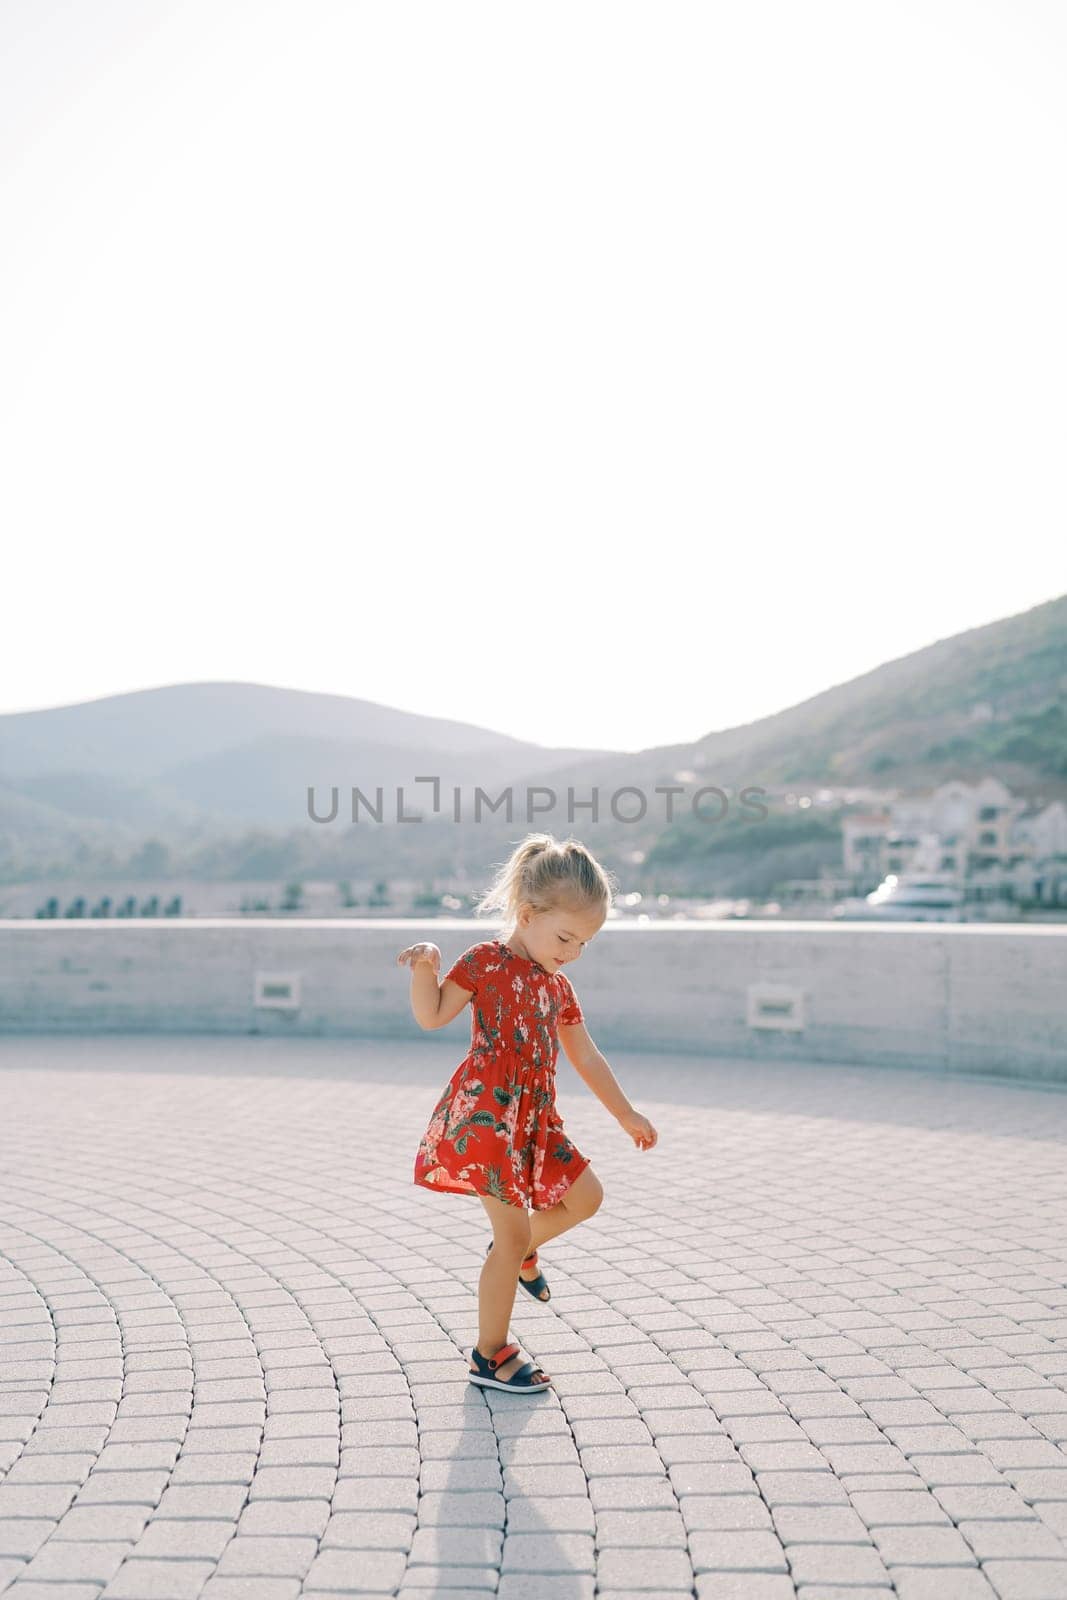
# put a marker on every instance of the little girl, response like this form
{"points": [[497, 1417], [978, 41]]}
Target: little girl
{"points": [[495, 1131]]}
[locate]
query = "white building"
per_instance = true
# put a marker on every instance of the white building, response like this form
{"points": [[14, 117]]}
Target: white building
{"points": [[997, 845]]}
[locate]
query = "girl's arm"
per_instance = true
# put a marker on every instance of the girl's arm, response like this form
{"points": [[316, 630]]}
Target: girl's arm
{"points": [[592, 1068], [594, 1071], [432, 1003], [425, 961]]}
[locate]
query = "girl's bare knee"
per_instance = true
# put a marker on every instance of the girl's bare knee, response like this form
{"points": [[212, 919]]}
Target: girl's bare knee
{"points": [[511, 1229], [514, 1242], [589, 1192]]}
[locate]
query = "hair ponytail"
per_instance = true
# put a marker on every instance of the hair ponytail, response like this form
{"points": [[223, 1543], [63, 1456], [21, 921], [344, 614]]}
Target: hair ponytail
{"points": [[546, 873]]}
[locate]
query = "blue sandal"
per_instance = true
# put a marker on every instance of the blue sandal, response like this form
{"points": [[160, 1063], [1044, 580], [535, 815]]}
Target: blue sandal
{"points": [[527, 1379], [538, 1286]]}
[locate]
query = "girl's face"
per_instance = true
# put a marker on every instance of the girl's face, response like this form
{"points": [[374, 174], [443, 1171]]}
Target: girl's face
{"points": [[555, 938]]}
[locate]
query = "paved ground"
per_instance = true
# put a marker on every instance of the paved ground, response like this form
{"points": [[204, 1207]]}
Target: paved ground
{"points": [[815, 1343]]}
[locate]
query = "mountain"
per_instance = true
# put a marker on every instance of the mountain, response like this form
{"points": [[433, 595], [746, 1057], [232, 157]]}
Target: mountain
{"points": [[220, 771], [992, 697], [149, 732], [179, 760], [993, 694]]}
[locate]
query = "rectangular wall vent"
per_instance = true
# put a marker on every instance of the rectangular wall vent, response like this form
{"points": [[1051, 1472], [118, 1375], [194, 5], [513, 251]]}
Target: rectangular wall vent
{"points": [[775, 1005], [277, 991]]}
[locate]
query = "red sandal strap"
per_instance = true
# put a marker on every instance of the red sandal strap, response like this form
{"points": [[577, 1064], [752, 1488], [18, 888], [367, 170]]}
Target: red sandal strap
{"points": [[505, 1353], [526, 1260]]}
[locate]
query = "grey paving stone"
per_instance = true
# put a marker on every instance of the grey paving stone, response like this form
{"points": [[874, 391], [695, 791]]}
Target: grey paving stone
{"points": [[442, 1446], [956, 1469], [1004, 1453], [882, 1483], [315, 1452], [303, 1425], [196, 1540], [186, 1501], [127, 1488], [51, 1468], [888, 1508], [291, 1483], [1053, 1514], [547, 1553], [21, 1536], [374, 1462], [208, 1467], [378, 1494], [469, 1474], [842, 1591], [355, 1571], [257, 1588], [637, 1493], [544, 1481], [801, 1489], [1027, 1580], [248, 1555], [30, 1590], [872, 1331], [1013, 1540], [736, 1551], [644, 1594], [48, 1500], [77, 1559], [1035, 1485], [728, 1512], [158, 1580], [923, 1546], [711, 1477], [469, 1510], [786, 1456], [819, 1525], [837, 1564], [982, 1501], [150, 1455], [564, 1514], [958, 1583], [639, 1528], [677, 1448], [744, 1586], [371, 1530], [455, 1547], [643, 1569], [606, 1461], [66, 1411], [453, 1583]]}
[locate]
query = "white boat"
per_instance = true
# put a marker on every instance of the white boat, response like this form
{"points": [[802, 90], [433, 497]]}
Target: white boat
{"points": [[909, 896]]}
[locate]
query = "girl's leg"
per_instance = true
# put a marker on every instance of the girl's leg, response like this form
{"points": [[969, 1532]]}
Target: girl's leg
{"points": [[581, 1200], [498, 1283]]}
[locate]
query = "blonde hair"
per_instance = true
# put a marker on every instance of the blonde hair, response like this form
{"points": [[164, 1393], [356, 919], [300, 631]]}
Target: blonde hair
{"points": [[548, 873]]}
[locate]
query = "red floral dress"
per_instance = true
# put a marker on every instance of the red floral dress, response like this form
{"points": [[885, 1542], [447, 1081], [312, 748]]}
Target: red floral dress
{"points": [[495, 1129]]}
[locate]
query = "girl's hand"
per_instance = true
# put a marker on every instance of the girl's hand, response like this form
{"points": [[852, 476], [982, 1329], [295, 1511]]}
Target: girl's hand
{"points": [[640, 1129], [415, 953]]}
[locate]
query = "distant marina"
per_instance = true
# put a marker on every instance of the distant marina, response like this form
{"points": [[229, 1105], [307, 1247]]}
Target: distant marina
{"points": [[914, 896]]}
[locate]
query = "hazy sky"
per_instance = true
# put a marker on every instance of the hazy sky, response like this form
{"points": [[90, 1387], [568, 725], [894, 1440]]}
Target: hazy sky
{"points": [[600, 373]]}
